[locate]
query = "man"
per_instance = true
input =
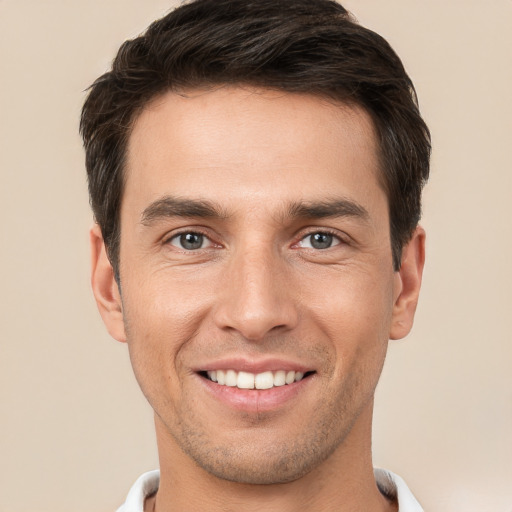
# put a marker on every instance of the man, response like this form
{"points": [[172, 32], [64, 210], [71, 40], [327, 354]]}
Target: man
{"points": [[255, 171]]}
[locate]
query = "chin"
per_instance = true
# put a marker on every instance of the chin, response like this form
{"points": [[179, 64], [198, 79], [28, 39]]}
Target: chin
{"points": [[259, 473], [267, 464]]}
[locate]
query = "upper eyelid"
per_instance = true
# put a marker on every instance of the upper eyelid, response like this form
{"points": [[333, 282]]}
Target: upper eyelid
{"points": [[175, 240], [305, 232], [167, 242], [299, 236], [182, 231], [340, 240]]}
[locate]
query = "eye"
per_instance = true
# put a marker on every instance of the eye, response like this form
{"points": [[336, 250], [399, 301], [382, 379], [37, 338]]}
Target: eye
{"points": [[190, 241], [319, 240]]}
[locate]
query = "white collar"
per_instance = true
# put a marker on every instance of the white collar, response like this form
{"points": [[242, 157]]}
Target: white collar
{"points": [[388, 483], [393, 486]]}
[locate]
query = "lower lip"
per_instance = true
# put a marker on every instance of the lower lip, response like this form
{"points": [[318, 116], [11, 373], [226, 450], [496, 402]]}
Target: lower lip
{"points": [[256, 400]]}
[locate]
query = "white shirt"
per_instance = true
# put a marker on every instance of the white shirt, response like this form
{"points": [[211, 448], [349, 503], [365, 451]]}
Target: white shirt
{"points": [[389, 484]]}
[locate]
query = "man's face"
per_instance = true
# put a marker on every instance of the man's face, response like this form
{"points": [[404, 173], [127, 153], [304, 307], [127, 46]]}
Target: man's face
{"points": [[255, 239]]}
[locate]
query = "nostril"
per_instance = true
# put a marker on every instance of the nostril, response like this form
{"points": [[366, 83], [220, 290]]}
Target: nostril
{"points": [[278, 327]]}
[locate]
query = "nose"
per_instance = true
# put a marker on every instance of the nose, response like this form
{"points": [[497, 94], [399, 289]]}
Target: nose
{"points": [[256, 297]]}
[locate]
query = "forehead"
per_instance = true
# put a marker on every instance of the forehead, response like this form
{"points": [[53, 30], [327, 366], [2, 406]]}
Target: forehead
{"points": [[232, 143]]}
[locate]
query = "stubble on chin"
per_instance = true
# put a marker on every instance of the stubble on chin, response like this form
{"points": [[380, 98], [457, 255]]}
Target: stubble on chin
{"points": [[262, 454]]}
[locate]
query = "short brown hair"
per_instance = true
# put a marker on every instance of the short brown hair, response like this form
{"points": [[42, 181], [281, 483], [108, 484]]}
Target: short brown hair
{"points": [[306, 46]]}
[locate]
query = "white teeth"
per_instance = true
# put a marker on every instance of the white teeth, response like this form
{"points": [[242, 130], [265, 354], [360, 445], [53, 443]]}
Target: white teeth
{"points": [[264, 380], [231, 378], [280, 378], [246, 380], [290, 377]]}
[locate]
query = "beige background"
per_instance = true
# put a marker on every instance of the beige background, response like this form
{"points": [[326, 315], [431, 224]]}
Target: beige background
{"points": [[75, 430]]}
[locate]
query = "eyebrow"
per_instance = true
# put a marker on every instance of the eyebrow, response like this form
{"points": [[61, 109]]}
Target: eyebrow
{"points": [[339, 207], [168, 207]]}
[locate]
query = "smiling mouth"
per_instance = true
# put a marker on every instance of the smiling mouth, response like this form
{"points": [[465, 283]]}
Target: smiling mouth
{"points": [[247, 380]]}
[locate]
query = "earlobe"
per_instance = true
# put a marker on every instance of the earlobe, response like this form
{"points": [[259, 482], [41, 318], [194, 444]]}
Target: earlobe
{"points": [[407, 285], [105, 288]]}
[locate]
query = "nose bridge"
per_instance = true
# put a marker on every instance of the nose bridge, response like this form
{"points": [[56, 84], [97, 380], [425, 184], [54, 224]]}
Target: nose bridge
{"points": [[256, 299]]}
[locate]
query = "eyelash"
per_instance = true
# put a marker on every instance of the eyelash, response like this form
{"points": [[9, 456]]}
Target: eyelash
{"points": [[340, 240], [175, 236], [323, 231]]}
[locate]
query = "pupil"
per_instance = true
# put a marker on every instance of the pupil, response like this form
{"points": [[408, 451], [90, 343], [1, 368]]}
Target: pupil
{"points": [[321, 240], [191, 241]]}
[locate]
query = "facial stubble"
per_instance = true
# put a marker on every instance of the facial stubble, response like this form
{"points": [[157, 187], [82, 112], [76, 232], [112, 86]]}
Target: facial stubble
{"points": [[258, 451]]}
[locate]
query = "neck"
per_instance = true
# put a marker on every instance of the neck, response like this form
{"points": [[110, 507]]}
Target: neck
{"points": [[343, 482]]}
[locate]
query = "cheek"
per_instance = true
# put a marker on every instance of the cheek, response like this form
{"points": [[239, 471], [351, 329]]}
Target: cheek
{"points": [[165, 304], [353, 304], [355, 315], [160, 322]]}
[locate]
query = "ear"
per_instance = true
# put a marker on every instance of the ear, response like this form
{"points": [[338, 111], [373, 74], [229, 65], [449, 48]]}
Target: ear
{"points": [[105, 288], [407, 285]]}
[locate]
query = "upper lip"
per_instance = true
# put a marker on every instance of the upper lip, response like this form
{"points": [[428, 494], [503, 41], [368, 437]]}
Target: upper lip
{"points": [[253, 365]]}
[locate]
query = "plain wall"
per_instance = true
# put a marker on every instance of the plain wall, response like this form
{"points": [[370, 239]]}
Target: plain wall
{"points": [[75, 430]]}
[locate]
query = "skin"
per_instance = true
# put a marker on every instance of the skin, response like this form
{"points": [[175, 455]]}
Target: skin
{"points": [[257, 289]]}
